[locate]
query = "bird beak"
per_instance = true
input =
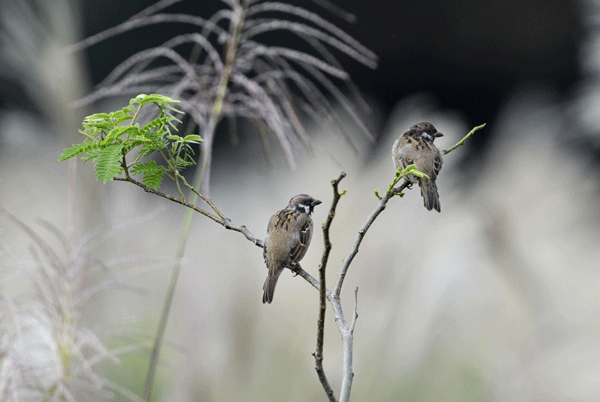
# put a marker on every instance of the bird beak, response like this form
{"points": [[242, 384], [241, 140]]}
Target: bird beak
{"points": [[315, 202], [438, 134]]}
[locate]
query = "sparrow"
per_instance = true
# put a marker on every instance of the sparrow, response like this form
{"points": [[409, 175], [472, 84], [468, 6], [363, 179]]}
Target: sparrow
{"points": [[288, 237], [416, 147]]}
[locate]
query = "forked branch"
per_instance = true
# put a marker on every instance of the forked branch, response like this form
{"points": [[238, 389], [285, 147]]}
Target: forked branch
{"points": [[347, 331]]}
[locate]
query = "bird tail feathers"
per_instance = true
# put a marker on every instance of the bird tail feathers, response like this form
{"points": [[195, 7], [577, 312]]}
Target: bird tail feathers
{"points": [[269, 288], [431, 198]]}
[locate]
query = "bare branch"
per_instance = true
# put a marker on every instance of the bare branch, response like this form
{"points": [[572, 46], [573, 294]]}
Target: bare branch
{"points": [[220, 219], [346, 331], [361, 234], [244, 230], [353, 323], [170, 198], [348, 346], [465, 138], [309, 278], [322, 290]]}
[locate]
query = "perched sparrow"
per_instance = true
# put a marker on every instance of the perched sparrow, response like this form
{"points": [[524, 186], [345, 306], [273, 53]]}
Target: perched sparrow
{"points": [[416, 146], [288, 237]]}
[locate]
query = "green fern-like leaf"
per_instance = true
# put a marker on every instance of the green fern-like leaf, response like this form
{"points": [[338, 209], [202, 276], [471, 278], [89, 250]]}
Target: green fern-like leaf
{"points": [[96, 117], [94, 153], [171, 108], [153, 179], [99, 125], [122, 117], [193, 138], [109, 137], [175, 137], [152, 174], [139, 140], [107, 164], [153, 124], [119, 131], [76, 149], [144, 99]]}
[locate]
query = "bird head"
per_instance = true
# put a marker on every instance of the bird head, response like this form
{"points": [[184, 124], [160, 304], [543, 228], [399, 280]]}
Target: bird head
{"points": [[425, 131], [303, 203]]}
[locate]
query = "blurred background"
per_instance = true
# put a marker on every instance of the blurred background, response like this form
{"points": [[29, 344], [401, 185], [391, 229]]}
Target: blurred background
{"points": [[494, 299]]}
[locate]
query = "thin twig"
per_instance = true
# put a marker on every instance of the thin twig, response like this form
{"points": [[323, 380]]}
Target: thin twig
{"points": [[205, 199], [465, 138], [353, 323], [347, 340], [171, 198], [243, 230], [348, 345], [323, 289], [361, 234], [224, 221], [173, 168], [297, 270], [346, 331]]}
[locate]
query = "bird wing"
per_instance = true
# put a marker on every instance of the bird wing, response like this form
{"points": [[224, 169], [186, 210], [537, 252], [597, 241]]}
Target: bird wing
{"points": [[302, 224], [294, 231], [437, 165], [276, 222], [399, 152], [434, 170]]}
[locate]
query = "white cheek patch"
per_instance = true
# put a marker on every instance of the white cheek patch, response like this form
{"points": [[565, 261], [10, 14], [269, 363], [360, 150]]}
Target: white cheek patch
{"points": [[303, 208], [427, 137]]}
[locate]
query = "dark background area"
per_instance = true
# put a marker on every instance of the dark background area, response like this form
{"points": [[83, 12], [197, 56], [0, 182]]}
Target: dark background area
{"points": [[469, 55]]}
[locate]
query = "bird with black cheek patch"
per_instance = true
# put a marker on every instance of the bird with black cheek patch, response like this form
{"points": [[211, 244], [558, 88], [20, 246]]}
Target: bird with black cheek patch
{"points": [[288, 237], [416, 147]]}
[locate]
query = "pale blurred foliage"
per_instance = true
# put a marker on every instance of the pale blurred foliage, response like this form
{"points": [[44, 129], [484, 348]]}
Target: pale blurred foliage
{"points": [[493, 299]]}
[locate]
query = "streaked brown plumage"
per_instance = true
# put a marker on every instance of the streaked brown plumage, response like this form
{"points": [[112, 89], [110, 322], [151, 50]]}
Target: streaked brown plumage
{"points": [[288, 236], [416, 146]]}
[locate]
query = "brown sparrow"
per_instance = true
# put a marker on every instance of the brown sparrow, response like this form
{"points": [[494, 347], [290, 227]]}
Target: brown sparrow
{"points": [[416, 147], [288, 237]]}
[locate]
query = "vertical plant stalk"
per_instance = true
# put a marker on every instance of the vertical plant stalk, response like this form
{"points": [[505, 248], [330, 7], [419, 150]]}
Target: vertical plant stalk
{"points": [[202, 177], [201, 180]]}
